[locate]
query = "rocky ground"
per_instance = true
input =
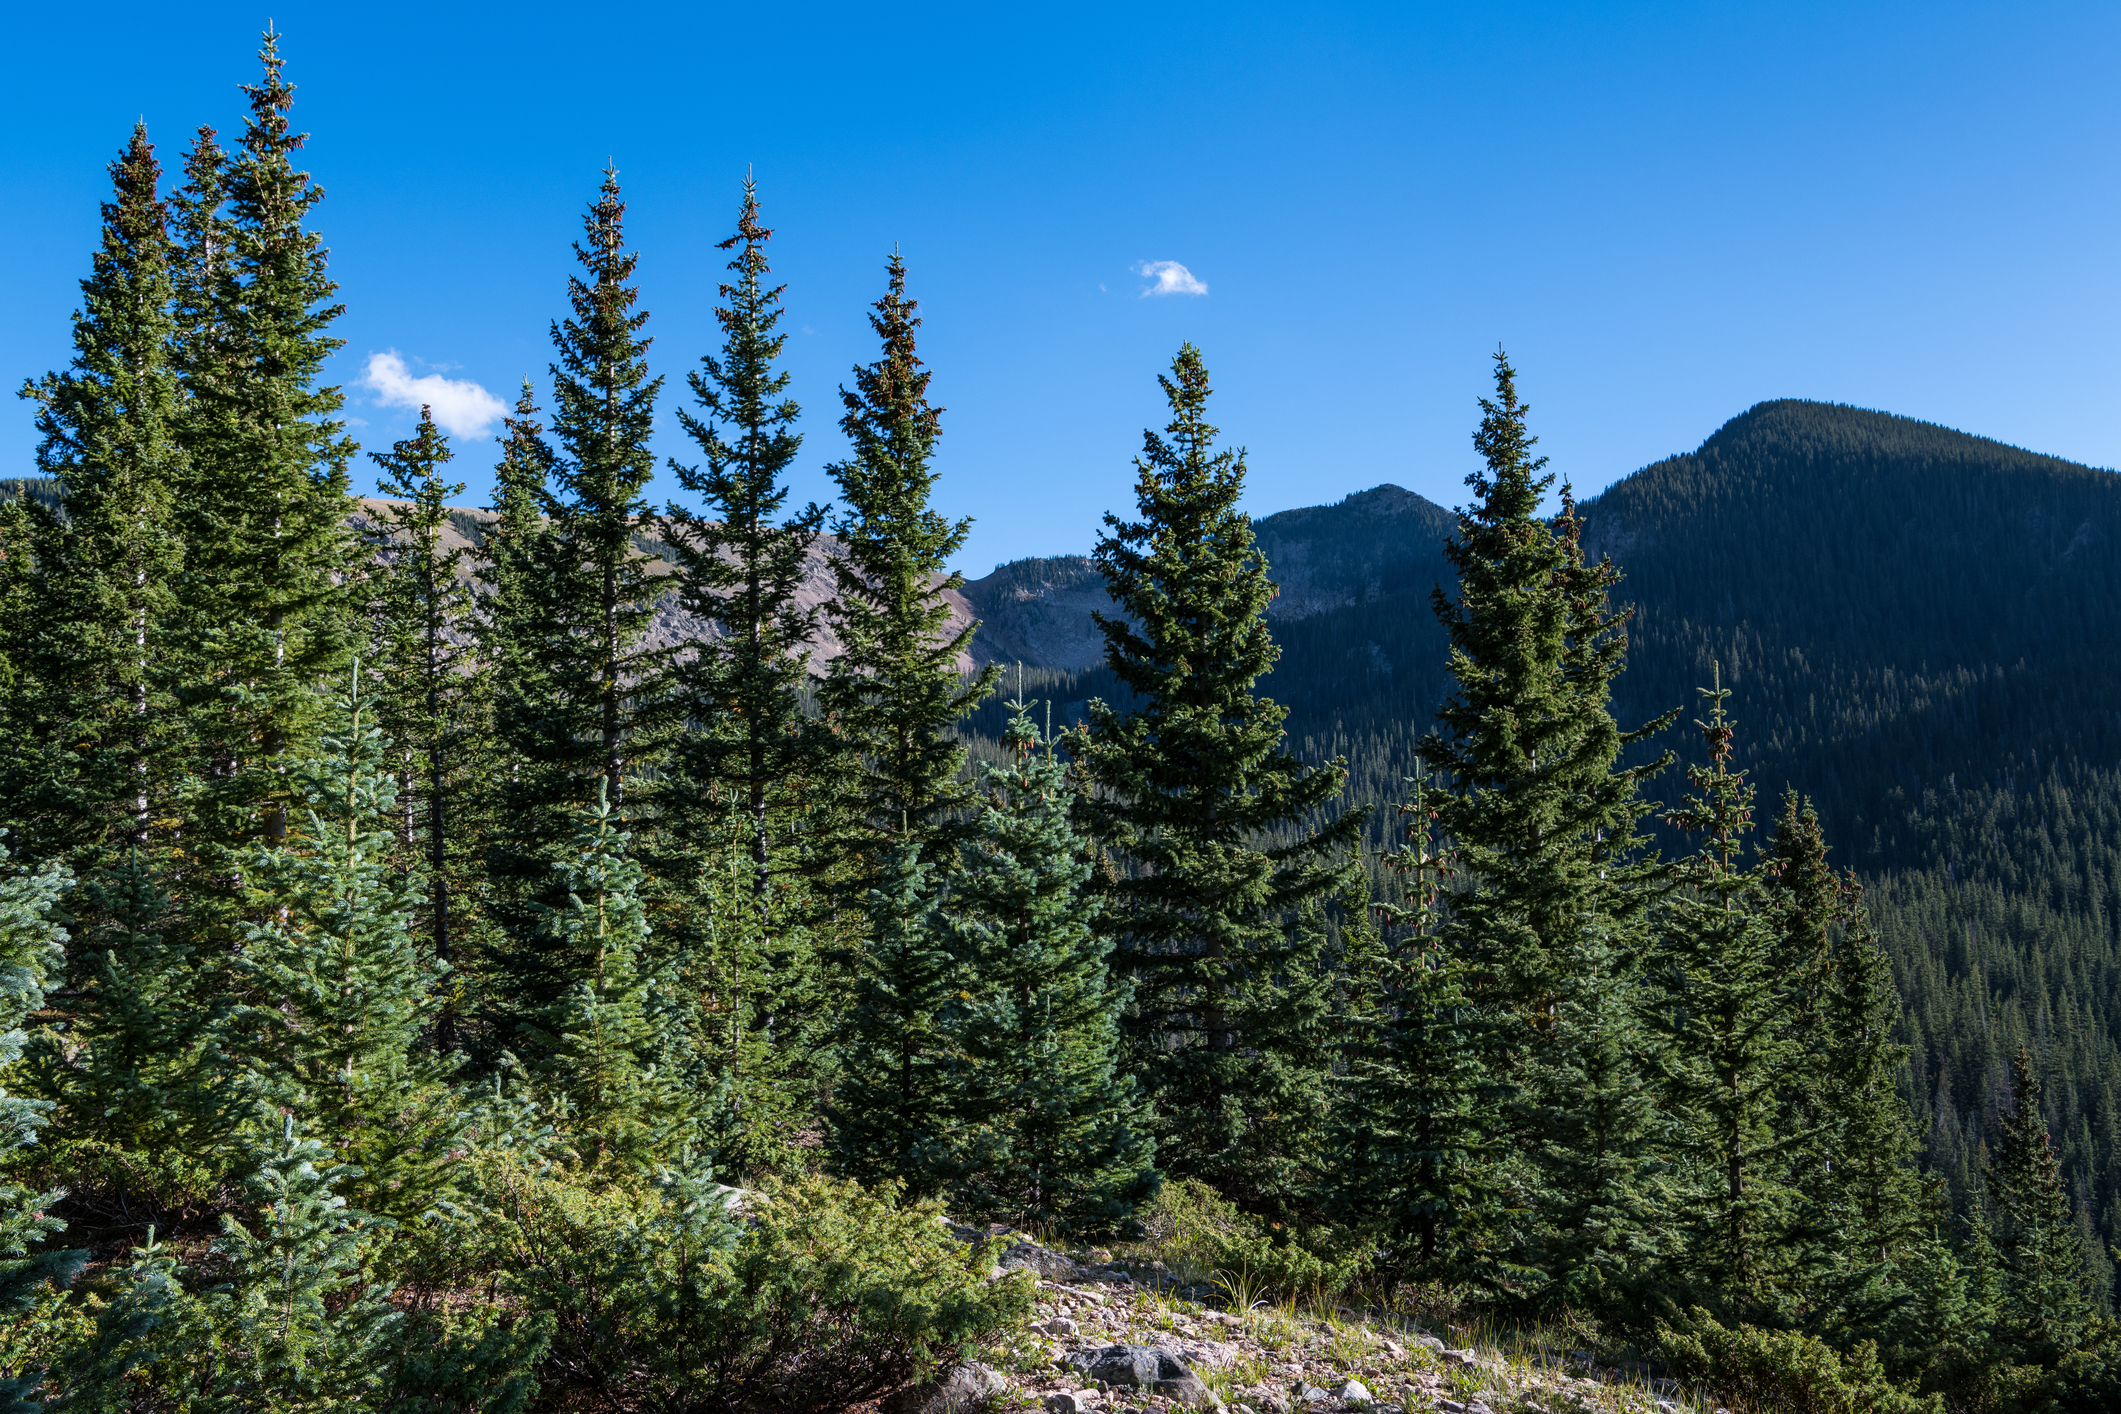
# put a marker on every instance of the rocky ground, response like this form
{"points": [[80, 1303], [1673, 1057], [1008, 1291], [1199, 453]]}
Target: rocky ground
{"points": [[1114, 1336]]}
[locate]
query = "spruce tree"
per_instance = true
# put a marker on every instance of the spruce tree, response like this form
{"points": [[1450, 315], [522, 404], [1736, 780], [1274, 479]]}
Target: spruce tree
{"points": [[1057, 1135], [433, 687], [1544, 819], [1209, 819], [334, 995], [108, 427], [742, 691], [1411, 1157], [897, 1112], [746, 769], [588, 705], [264, 502], [895, 691], [603, 1044], [32, 954], [1730, 1049], [2044, 1303], [299, 1323], [145, 1081]]}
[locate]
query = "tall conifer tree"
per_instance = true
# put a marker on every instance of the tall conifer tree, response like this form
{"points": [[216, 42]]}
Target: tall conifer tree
{"points": [[1731, 1052], [1544, 819], [581, 722], [746, 767], [1411, 1154], [1208, 815], [895, 690], [265, 501], [2044, 1303], [743, 690], [109, 427], [433, 687]]}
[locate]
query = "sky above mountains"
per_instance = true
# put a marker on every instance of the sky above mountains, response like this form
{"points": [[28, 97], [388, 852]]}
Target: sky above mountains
{"points": [[1666, 212]]}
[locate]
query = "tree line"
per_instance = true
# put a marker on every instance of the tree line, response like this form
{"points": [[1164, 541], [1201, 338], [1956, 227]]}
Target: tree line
{"points": [[401, 943]]}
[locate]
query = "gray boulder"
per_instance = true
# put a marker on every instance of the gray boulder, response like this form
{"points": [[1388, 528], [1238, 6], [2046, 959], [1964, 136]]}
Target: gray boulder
{"points": [[1147, 1367], [955, 1390]]}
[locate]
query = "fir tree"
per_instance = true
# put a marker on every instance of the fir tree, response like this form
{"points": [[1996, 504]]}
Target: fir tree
{"points": [[264, 502], [108, 427], [434, 686], [1408, 1136], [602, 1044], [335, 996], [1730, 1048], [742, 691], [897, 1111], [1057, 1136], [2043, 1304], [1544, 819], [588, 703], [896, 690], [32, 953], [1208, 815], [746, 766], [145, 1081], [299, 1323]]}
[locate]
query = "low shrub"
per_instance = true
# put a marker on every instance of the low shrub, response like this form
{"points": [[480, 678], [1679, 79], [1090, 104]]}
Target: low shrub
{"points": [[1786, 1372], [819, 1296], [1191, 1225]]}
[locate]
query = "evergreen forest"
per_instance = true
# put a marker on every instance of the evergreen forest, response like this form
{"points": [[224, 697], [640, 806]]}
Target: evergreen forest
{"points": [[1684, 920]]}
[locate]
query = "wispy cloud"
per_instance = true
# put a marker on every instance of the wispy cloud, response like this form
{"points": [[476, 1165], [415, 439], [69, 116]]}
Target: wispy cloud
{"points": [[461, 407], [1171, 278]]}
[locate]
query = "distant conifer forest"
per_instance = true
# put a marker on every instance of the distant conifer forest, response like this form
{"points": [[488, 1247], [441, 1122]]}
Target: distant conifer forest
{"points": [[429, 987]]}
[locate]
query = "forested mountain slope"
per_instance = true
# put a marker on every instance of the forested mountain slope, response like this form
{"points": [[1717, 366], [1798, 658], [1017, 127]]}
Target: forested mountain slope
{"points": [[1918, 626]]}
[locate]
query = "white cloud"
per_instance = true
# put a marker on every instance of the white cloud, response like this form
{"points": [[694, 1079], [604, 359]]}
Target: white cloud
{"points": [[460, 407], [1171, 278]]}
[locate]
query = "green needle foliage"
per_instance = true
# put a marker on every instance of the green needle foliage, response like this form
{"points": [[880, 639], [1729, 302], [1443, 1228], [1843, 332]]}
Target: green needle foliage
{"points": [[433, 691], [1411, 1158], [299, 1324], [1731, 1052], [748, 771], [581, 707], [896, 691], [334, 995], [2043, 1305], [743, 690], [896, 1114], [32, 952], [1543, 818], [1058, 1134], [264, 501], [1191, 792], [603, 1044], [105, 770]]}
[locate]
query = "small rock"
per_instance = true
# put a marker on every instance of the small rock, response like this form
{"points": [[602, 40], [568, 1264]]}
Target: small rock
{"points": [[1072, 1401], [1665, 1406], [1461, 1357], [1352, 1392], [1058, 1326], [1431, 1342], [1307, 1393]]}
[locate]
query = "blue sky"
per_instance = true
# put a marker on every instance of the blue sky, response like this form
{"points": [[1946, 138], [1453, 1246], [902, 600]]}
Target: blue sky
{"points": [[1666, 212]]}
